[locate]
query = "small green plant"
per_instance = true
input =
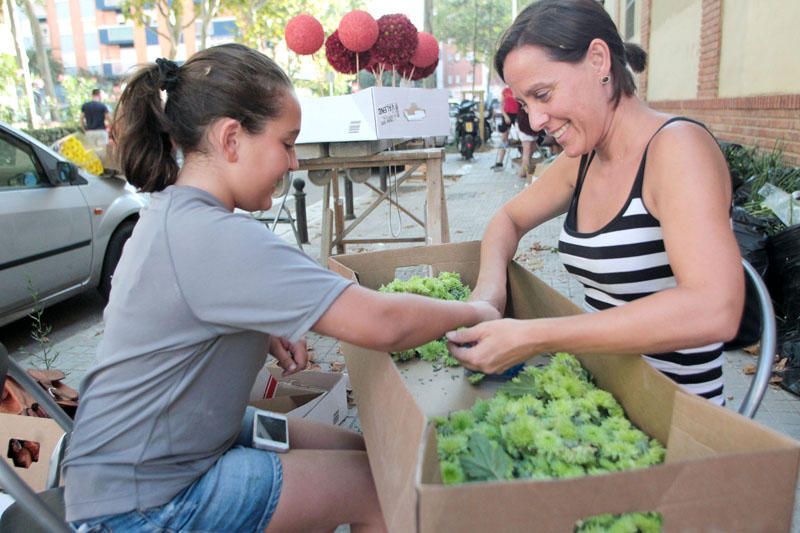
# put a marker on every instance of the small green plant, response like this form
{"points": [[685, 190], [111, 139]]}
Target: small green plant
{"points": [[45, 356]]}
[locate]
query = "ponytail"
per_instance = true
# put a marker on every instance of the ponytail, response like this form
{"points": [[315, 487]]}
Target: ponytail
{"points": [[141, 131]]}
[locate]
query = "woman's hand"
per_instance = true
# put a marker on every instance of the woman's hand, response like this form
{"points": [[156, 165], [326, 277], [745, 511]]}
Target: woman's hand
{"points": [[486, 311], [292, 357], [492, 347], [497, 298]]}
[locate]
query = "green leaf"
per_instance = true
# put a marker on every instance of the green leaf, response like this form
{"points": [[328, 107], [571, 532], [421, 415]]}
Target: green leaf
{"points": [[486, 460], [524, 383]]}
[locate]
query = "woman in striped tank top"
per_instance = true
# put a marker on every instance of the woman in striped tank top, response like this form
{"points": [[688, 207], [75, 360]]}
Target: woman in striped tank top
{"points": [[647, 199]]}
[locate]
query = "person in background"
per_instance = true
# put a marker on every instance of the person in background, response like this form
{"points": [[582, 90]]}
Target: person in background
{"points": [[647, 198], [510, 108], [95, 119], [163, 433], [529, 140]]}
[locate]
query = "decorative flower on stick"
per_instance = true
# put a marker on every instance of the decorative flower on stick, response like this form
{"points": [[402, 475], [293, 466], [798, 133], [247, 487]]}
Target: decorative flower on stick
{"points": [[304, 34]]}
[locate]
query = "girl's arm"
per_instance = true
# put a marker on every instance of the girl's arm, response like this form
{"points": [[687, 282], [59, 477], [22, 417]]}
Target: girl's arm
{"points": [[393, 322], [690, 194], [547, 197]]}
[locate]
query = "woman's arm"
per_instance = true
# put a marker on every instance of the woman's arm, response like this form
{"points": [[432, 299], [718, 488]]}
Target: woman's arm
{"points": [[394, 322], [544, 199], [690, 195]]}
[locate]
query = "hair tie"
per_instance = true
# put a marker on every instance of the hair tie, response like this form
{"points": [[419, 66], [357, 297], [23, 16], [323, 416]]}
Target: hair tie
{"points": [[167, 74]]}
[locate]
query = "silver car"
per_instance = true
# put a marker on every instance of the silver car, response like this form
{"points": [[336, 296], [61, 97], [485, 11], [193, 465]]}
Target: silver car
{"points": [[61, 229]]}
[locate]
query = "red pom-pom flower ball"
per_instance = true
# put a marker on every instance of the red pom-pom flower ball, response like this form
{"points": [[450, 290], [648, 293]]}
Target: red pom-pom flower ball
{"points": [[304, 34], [397, 39], [427, 50], [341, 59], [358, 31]]}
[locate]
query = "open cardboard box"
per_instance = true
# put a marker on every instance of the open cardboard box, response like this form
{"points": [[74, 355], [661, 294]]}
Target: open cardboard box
{"points": [[318, 396], [44, 431], [723, 472]]}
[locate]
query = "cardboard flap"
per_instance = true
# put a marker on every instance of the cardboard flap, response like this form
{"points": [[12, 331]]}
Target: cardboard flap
{"points": [[393, 447], [701, 429], [378, 268], [44, 431]]}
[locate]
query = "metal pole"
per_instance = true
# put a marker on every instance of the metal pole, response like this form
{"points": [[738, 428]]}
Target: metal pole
{"points": [[300, 209], [384, 172], [348, 199]]}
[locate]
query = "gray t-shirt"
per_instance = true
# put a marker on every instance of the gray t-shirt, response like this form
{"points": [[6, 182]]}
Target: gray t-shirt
{"points": [[196, 296]]}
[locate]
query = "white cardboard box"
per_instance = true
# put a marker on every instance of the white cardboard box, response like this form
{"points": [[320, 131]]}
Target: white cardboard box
{"points": [[375, 113], [318, 396]]}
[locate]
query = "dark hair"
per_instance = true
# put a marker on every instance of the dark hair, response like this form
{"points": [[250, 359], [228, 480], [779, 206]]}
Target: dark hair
{"points": [[95, 92], [564, 29], [229, 80]]}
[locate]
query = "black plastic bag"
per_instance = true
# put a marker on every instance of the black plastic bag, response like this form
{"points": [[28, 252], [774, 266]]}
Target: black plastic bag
{"points": [[783, 251], [751, 236]]}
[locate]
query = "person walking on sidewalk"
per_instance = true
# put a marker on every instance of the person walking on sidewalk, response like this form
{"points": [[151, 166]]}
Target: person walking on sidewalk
{"points": [[647, 199], [201, 294], [510, 108], [95, 119], [529, 140]]}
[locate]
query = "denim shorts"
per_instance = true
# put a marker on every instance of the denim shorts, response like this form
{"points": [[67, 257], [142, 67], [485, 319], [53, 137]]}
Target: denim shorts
{"points": [[238, 494]]}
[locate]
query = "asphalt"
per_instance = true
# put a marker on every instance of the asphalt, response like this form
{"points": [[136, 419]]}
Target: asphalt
{"points": [[473, 194]]}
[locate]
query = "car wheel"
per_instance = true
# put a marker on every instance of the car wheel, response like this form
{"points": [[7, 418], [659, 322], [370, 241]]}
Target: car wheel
{"points": [[113, 253]]}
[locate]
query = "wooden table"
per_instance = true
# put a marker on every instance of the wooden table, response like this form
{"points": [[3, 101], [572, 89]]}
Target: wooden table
{"points": [[334, 232]]}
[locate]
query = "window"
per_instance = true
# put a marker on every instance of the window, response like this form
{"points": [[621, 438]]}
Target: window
{"points": [[458, 57], [458, 79], [469, 77], [630, 19], [449, 79], [470, 56], [18, 168]]}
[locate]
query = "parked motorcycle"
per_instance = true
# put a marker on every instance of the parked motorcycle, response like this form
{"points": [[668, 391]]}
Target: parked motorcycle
{"points": [[468, 138]]}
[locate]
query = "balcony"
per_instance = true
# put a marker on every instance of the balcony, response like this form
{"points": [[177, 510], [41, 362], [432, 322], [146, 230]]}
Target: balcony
{"points": [[116, 35], [108, 5]]}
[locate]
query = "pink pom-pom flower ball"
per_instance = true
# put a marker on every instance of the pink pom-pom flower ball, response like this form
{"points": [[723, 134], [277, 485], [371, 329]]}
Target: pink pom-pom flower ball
{"points": [[358, 31], [304, 34], [427, 50]]}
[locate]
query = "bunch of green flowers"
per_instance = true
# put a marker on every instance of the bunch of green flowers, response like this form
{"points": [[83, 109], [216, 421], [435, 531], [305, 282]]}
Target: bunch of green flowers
{"points": [[445, 286], [549, 422]]}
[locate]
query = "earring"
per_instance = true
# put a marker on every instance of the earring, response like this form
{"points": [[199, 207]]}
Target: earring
{"points": [[605, 79]]}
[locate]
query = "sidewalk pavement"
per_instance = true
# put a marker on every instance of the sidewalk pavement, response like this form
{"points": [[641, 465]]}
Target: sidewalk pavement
{"points": [[474, 193]]}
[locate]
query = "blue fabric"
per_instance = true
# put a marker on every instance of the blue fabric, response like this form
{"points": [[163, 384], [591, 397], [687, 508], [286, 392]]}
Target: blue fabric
{"points": [[238, 494]]}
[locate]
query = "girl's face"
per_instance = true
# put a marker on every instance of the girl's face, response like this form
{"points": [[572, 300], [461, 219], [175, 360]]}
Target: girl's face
{"points": [[265, 157], [565, 99]]}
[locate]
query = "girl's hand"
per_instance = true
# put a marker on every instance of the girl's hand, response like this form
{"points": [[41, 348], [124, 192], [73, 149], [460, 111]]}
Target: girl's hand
{"points": [[292, 357], [491, 347]]}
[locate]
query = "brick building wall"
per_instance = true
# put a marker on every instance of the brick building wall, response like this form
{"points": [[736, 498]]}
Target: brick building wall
{"points": [[765, 121]]}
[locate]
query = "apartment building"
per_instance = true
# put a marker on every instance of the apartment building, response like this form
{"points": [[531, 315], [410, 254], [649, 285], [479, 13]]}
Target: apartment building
{"points": [[93, 36]]}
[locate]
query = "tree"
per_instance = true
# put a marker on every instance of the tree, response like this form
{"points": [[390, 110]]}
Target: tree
{"points": [[473, 26], [144, 13], [208, 10], [41, 57], [22, 60]]}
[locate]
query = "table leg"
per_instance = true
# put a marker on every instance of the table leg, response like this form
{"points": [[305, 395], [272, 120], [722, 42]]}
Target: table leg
{"points": [[436, 224]]}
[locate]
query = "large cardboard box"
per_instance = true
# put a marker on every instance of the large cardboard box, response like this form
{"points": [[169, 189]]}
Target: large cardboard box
{"points": [[723, 472], [375, 113], [318, 396]]}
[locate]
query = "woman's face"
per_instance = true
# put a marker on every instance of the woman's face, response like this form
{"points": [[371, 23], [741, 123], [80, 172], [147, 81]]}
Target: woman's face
{"points": [[565, 99], [267, 156]]}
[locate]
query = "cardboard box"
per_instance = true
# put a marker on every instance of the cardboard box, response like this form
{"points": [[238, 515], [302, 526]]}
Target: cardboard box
{"points": [[375, 113], [723, 472], [319, 396], [44, 431]]}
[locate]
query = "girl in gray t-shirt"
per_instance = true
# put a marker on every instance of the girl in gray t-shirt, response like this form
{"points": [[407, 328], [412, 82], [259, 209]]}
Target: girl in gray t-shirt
{"points": [[200, 296]]}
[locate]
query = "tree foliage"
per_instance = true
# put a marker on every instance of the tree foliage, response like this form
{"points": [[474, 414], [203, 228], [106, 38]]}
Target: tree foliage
{"points": [[145, 13]]}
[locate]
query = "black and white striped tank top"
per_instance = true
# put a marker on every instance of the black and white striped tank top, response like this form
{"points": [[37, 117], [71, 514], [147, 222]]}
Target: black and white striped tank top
{"points": [[626, 260]]}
